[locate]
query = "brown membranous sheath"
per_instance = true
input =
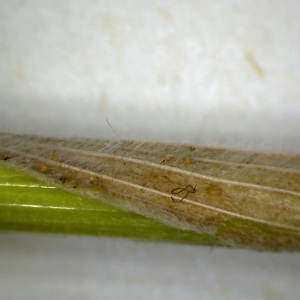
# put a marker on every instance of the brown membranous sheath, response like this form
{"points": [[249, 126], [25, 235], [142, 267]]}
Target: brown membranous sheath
{"points": [[243, 199]]}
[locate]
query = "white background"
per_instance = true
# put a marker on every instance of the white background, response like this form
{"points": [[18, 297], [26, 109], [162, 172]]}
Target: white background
{"points": [[222, 73]]}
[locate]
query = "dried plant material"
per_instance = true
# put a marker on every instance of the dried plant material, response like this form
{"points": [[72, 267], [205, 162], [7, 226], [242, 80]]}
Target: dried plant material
{"points": [[242, 199]]}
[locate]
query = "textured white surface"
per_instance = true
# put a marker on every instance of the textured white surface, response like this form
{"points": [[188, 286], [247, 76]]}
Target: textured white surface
{"points": [[66, 267], [214, 73], [225, 73]]}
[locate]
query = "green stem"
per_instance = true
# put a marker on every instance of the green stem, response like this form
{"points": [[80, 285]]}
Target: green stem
{"points": [[27, 204]]}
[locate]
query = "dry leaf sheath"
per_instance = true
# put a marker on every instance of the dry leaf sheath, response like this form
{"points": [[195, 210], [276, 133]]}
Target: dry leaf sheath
{"points": [[243, 199]]}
